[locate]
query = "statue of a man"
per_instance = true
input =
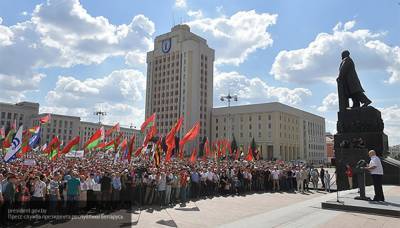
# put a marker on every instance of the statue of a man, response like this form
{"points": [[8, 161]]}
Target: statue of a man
{"points": [[349, 85]]}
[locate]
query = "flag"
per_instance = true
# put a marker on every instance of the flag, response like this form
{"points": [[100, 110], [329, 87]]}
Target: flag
{"points": [[194, 155], [117, 141], [149, 120], [106, 146], [43, 148], [54, 148], [2, 133], [150, 134], [157, 154], [15, 145], [35, 138], [72, 145], [25, 144], [10, 135], [249, 156], [190, 135], [206, 150], [116, 127], [123, 145], [170, 139], [139, 151], [45, 119], [131, 147], [95, 139]]}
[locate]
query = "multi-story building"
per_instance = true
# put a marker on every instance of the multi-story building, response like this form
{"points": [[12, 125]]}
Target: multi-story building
{"points": [[394, 151], [180, 81], [62, 126], [21, 112], [330, 152], [280, 131]]}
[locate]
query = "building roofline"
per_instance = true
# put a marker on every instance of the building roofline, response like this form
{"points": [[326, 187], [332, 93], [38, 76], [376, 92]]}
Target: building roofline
{"points": [[265, 104]]}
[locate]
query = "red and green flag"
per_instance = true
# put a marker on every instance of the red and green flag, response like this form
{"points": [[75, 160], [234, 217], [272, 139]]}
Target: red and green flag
{"points": [[71, 146], [2, 133], [45, 119], [53, 148], [148, 121], [7, 141], [95, 139], [206, 150], [116, 128]]}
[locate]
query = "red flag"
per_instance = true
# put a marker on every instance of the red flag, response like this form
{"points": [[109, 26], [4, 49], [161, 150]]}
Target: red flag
{"points": [[194, 155], [237, 153], [130, 147], [249, 156], [147, 121], [190, 135], [139, 151], [150, 134], [123, 145], [45, 119], [72, 145], [117, 141], [54, 142], [206, 150], [25, 144], [116, 127], [170, 139]]}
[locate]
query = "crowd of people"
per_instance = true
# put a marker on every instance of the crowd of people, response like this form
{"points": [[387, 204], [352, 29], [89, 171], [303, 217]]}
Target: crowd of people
{"points": [[95, 182]]}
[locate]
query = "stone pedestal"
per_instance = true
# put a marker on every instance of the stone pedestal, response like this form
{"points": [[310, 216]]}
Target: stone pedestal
{"points": [[358, 131]]}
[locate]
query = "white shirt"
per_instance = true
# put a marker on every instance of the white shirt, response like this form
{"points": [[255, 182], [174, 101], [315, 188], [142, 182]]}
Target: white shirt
{"points": [[275, 174], [375, 161], [39, 187]]}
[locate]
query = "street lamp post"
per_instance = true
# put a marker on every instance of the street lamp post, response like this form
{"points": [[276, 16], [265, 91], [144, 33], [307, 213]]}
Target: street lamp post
{"points": [[100, 114], [228, 99]]}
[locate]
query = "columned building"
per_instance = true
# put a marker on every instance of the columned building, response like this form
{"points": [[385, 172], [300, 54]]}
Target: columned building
{"points": [[21, 112], [180, 81], [280, 131]]}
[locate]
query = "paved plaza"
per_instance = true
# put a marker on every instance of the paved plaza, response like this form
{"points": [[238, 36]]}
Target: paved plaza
{"points": [[255, 210]]}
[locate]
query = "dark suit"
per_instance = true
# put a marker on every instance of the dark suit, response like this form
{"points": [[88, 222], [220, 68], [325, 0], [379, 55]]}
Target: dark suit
{"points": [[349, 86]]}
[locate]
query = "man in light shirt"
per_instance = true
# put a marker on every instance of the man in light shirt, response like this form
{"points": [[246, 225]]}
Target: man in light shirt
{"points": [[376, 170]]}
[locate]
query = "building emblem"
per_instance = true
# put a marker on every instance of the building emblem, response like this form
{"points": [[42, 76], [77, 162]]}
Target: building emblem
{"points": [[166, 45]]}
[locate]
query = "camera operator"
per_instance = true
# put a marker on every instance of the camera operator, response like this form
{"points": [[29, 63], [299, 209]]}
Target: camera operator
{"points": [[376, 170]]}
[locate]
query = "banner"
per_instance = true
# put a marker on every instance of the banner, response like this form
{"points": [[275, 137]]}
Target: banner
{"points": [[75, 154]]}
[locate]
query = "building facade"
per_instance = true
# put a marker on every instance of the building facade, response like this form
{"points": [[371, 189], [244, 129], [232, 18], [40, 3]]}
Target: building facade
{"points": [[280, 131], [21, 112], [180, 81], [330, 151], [63, 126], [394, 151]]}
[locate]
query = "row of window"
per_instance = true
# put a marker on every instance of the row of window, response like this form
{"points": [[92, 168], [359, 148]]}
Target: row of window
{"points": [[10, 116]]}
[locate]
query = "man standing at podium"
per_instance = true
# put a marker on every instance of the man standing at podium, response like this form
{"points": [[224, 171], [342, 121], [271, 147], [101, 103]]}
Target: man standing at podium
{"points": [[376, 170]]}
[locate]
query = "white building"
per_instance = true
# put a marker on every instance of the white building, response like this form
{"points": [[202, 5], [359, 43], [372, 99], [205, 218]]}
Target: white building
{"points": [[394, 151], [21, 112], [180, 81], [280, 131]]}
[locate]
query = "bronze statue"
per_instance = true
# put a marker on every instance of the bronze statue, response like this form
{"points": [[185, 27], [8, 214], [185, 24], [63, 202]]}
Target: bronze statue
{"points": [[349, 85]]}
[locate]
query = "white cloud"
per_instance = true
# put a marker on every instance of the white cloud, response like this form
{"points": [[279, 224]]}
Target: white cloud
{"points": [[330, 102], [237, 36], [391, 119], [61, 33], [195, 14], [120, 94], [24, 13], [180, 3], [255, 89], [320, 60]]}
